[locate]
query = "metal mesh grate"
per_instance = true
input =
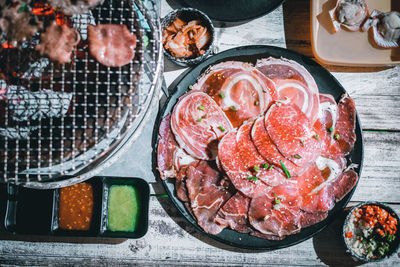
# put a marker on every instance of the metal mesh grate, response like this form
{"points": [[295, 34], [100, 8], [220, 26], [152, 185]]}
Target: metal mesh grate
{"points": [[59, 123]]}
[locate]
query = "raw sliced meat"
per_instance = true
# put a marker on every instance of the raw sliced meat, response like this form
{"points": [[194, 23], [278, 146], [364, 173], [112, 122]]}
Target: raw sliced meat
{"points": [[345, 125], [328, 111], [198, 122], [291, 131], [253, 161], [268, 150], [180, 182], [112, 45], [232, 163], [239, 89], [234, 213], [344, 184], [265, 236], [315, 185], [292, 81], [278, 212], [206, 197], [166, 150], [308, 219], [170, 157]]}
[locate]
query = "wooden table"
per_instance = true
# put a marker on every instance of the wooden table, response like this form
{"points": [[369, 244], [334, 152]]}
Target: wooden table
{"points": [[172, 240]]}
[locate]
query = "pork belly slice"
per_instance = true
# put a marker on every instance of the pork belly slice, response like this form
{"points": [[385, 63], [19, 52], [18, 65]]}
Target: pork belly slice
{"points": [[239, 89], [292, 82], [205, 195], [197, 123]]}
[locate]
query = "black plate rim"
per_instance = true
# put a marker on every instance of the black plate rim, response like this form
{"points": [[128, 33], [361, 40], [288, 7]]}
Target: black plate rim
{"points": [[224, 56], [243, 19]]}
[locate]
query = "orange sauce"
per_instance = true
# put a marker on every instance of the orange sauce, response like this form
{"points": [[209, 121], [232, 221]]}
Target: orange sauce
{"points": [[76, 207]]}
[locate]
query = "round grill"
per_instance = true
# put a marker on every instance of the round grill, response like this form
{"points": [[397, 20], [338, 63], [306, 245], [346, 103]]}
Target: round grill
{"points": [[62, 124]]}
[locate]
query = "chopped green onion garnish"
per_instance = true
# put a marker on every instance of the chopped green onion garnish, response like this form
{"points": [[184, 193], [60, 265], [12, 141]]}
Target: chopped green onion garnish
{"points": [[252, 178], [316, 136], [221, 95], [256, 103], [277, 200], [201, 107], [296, 156], [256, 168], [331, 129], [270, 167], [221, 128], [146, 40], [285, 169], [199, 119], [336, 136], [22, 8], [234, 108], [264, 165], [390, 238], [301, 142], [190, 87]]}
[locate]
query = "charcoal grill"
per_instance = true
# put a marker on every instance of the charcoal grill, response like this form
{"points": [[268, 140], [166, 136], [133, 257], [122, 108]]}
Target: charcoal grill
{"points": [[62, 124]]}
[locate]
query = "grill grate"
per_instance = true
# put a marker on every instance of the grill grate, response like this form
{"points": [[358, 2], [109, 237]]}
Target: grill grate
{"points": [[63, 123]]}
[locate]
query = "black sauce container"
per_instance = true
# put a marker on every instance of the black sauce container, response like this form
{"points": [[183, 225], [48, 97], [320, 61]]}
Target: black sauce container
{"points": [[36, 212]]}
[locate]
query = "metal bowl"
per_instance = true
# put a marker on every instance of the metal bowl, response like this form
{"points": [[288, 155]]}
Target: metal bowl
{"points": [[188, 14], [394, 246]]}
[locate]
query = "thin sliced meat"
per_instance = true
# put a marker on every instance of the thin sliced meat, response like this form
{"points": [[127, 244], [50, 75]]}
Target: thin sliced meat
{"points": [[278, 212], [170, 157], [231, 161], [268, 150], [308, 219], [265, 236], [292, 133], [112, 45], [206, 197], [294, 82], [239, 89], [344, 184], [315, 185], [197, 123], [345, 125], [234, 213], [328, 110], [253, 161], [180, 182]]}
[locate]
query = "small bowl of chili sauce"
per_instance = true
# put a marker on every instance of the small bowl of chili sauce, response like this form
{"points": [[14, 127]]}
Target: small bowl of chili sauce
{"points": [[370, 232], [77, 209]]}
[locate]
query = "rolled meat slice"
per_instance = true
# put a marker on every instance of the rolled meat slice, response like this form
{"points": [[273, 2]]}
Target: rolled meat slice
{"points": [[241, 177], [197, 123], [294, 82], [292, 133], [239, 89]]}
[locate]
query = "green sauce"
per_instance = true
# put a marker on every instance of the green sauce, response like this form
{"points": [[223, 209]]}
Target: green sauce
{"points": [[123, 206]]}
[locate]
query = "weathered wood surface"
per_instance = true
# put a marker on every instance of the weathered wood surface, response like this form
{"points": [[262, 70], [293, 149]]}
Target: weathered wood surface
{"points": [[171, 240]]}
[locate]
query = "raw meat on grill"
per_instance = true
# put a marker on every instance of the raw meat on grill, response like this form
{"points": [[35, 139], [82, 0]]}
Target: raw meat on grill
{"points": [[294, 82], [197, 123], [206, 197], [292, 133], [71, 7], [112, 45], [239, 89], [17, 22], [232, 162], [58, 42]]}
